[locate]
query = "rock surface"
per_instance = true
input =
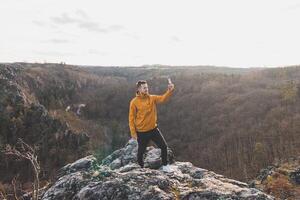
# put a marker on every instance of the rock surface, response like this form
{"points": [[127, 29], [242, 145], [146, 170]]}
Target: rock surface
{"points": [[118, 176]]}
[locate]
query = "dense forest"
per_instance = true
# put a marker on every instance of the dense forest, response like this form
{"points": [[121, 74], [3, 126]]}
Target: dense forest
{"points": [[234, 121]]}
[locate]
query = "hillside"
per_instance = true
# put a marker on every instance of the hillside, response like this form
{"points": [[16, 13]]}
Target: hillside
{"points": [[225, 121], [22, 116], [231, 121]]}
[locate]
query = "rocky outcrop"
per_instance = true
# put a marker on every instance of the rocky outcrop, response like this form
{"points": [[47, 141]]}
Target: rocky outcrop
{"points": [[118, 176]]}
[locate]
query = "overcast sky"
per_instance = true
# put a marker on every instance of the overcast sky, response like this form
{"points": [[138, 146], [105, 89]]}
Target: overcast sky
{"points": [[236, 33]]}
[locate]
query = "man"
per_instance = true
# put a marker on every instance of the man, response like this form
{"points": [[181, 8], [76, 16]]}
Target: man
{"points": [[143, 121]]}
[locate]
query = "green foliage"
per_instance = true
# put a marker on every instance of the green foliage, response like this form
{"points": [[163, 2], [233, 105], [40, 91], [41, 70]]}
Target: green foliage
{"points": [[100, 153], [95, 165], [2, 143], [117, 138]]}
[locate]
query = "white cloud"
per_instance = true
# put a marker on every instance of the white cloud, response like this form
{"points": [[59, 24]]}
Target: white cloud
{"points": [[136, 32]]}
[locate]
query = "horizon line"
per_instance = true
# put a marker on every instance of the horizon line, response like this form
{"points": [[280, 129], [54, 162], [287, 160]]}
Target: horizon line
{"points": [[151, 65]]}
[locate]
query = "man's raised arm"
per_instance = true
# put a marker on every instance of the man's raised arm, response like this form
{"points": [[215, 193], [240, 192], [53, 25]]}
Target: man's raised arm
{"points": [[164, 98]]}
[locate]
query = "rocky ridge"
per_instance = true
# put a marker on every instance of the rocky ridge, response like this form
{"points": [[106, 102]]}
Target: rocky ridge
{"points": [[118, 176]]}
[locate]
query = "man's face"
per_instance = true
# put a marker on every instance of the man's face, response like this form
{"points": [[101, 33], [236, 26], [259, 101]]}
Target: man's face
{"points": [[144, 89]]}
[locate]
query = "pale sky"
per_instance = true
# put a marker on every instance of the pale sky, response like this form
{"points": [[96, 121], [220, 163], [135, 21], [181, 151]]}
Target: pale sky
{"points": [[234, 33]]}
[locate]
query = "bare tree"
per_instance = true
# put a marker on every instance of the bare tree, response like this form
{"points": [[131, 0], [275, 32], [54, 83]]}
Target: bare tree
{"points": [[2, 195], [24, 151], [13, 182]]}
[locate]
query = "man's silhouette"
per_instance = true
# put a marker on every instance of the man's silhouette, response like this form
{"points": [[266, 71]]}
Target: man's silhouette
{"points": [[143, 120]]}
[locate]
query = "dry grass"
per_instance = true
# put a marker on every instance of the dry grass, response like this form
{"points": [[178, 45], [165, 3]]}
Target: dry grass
{"points": [[279, 186], [176, 192]]}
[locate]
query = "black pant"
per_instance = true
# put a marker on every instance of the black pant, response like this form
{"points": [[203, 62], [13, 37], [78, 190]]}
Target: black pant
{"points": [[155, 135]]}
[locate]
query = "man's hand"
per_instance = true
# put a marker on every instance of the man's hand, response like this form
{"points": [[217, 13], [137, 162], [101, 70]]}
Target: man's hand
{"points": [[171, 86], [133, 137]]}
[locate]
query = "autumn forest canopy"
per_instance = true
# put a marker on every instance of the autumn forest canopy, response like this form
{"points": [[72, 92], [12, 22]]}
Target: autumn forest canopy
{"points": [[229, 120]]}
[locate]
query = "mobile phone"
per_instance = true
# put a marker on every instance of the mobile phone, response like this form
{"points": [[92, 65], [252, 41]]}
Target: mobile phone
{"points": [[169, 80]]}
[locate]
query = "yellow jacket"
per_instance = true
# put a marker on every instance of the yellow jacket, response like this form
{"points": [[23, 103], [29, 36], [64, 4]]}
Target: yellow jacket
{"points": [[142, 111]]}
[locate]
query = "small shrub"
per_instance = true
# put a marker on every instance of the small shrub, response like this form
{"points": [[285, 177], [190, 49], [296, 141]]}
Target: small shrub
{"points": [[279, 186]]}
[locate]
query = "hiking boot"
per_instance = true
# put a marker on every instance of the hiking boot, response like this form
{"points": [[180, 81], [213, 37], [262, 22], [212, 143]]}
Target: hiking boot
{"points": [[167, 168]]}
